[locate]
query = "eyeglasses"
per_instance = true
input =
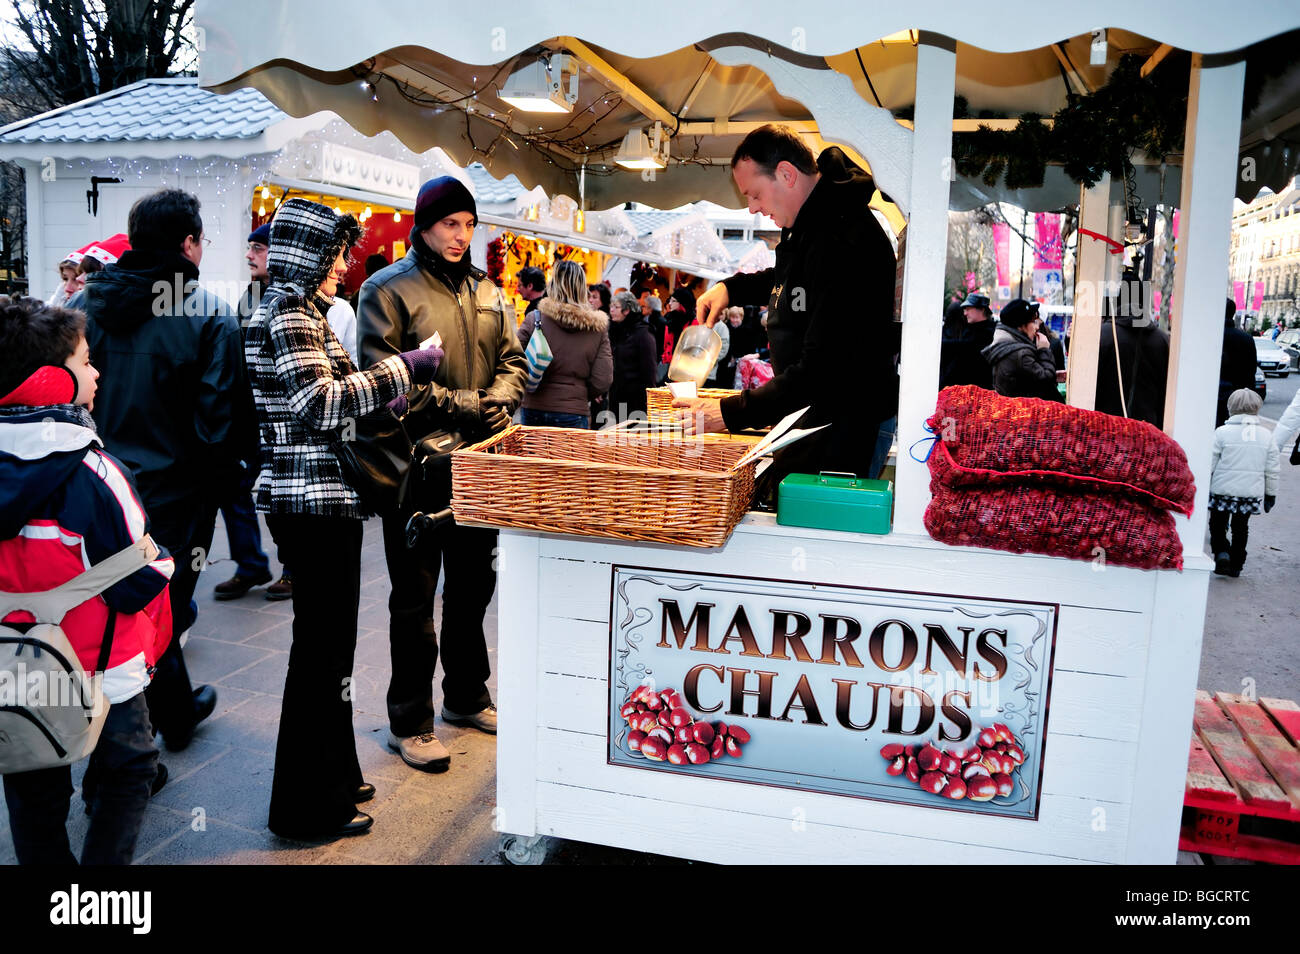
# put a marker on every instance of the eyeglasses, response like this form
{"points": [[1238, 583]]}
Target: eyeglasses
{"points": [[207, 242]]}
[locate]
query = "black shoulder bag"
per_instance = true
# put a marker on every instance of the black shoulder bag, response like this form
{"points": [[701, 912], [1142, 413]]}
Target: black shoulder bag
{"points": [[376, 460]]}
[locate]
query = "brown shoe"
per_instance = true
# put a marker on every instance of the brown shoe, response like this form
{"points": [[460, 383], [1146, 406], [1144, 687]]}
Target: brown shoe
{"points": [[282, 589], [237, 586]]}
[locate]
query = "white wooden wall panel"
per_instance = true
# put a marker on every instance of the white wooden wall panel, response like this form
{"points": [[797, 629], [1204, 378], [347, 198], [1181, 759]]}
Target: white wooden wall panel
{"points": [[710, 835], [760, 548], [1067, 823]]}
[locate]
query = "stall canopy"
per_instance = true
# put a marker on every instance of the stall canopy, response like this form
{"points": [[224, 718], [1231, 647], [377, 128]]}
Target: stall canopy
{"points": [[432, 73]]}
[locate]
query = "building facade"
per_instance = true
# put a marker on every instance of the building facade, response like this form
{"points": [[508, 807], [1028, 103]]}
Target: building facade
{"points": [[1264, 269]]}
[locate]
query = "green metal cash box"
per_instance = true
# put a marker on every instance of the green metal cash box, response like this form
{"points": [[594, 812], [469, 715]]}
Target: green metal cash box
{"points": [[832, 501]]}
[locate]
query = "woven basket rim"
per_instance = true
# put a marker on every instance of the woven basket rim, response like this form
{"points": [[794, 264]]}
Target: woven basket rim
{"points": [[479, 452]]}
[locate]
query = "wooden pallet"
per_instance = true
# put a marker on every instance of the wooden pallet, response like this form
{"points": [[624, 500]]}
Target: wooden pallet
{"points": [[1243, 779]]}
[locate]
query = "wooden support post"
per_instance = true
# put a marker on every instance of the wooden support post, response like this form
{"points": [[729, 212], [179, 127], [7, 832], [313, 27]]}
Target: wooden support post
{"points": [[518, 566], [1209, 184], [1173, 659], [927, 254], [1092, 266], [38, 269]]}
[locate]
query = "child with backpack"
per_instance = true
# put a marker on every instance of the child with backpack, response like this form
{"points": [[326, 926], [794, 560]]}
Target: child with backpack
{"points": [[69, 514], [1243, 478]]}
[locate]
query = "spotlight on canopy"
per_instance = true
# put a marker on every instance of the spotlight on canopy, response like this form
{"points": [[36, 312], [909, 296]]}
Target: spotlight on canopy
{"points": [[641, 152], [538, 87]]}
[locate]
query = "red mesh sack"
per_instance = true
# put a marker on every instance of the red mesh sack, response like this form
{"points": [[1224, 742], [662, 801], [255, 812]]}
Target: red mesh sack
{"points": [[986, 439], [1056, 521]]}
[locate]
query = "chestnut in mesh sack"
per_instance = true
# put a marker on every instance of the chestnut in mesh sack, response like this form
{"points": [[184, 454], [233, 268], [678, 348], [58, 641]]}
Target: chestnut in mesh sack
{"points": [[1056, 521], [986, 439]]}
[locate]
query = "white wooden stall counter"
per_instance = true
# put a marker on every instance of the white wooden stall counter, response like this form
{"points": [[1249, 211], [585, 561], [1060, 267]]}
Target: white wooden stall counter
{"points": [[1125, 662]]}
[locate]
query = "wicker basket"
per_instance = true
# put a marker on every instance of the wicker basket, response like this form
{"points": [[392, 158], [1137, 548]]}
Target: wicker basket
{"points": [[659, 401], [604, 484]]}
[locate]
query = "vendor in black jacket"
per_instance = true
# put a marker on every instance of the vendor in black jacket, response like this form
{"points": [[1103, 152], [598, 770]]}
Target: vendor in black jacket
{"points": [[830, 304]]}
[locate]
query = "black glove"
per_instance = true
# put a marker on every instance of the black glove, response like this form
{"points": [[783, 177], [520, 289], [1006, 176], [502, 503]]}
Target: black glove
{"points": [[492, 414], [1268, 502]]}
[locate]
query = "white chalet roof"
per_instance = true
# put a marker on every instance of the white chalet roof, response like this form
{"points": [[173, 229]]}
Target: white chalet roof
{"points": [[153, 109]]}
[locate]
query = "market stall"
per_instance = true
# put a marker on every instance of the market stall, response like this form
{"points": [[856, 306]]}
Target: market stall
{"points": [[797, 660]]}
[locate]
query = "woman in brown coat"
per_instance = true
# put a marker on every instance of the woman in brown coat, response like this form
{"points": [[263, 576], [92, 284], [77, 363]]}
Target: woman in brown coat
{"points": [[582, 366]]}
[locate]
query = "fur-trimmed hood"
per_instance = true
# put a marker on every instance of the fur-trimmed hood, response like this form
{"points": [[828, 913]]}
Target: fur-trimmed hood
{"points": [[573, 317]]}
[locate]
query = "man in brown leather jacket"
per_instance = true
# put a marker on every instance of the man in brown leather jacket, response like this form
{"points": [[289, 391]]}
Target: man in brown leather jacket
{"points": [[479, 384]]}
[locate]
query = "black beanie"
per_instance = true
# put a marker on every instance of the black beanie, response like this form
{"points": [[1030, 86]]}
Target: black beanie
{"points": [[441, 197]]}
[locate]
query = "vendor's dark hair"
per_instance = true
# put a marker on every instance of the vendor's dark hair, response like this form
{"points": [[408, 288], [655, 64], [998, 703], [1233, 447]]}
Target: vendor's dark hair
{"points": [[770, 145], [33, 334], [601, 289], [374, 262], [161, 221], [533, 277], [1231, 311]]}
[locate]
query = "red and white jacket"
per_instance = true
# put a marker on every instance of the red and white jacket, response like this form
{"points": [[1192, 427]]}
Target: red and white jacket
{"points": [[65, 505]]}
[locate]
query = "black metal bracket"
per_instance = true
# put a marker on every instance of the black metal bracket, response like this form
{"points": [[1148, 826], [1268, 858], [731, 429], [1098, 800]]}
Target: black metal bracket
{"points": [[92, 194]]}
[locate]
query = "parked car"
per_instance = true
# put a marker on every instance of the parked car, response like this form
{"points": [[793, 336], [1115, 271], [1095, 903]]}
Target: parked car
{"points": [[1272, 359], [1261, 386], [1289, 341]]}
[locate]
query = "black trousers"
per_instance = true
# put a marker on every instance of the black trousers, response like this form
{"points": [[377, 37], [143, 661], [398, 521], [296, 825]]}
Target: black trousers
{"points": [[185, 528], [1219, 520], [466, 555], [124, 762], [316, 769]]}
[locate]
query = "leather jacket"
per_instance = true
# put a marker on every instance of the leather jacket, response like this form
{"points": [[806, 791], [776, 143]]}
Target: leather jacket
{"points": [[402, 305]]}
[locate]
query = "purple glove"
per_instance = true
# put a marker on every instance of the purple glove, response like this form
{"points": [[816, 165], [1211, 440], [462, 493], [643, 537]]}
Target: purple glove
{"points": [[397, 405], [422, 363]]}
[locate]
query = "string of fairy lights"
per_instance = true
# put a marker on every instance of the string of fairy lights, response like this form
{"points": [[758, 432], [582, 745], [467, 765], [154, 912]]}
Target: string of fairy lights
{"points": [[249, 176]]}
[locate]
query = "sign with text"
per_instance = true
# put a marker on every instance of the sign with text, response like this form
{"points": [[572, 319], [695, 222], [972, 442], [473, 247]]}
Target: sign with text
{"points": [[924, 699]]}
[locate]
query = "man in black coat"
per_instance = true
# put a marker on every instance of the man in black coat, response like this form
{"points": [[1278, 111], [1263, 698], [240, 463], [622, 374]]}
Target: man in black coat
{"points": [[968, 328], [830, 301], [168, 407], [1142, 372], [1237, 362]]}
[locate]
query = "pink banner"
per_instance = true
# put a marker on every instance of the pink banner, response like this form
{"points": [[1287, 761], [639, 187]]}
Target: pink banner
{"points": [[1239, 294], [1002, 251], [972, 282], [1259, 297], [1049, 252], [1176, 213]]}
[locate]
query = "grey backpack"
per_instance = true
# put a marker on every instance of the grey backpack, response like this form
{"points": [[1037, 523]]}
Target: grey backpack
{"points": [[51, 710]]}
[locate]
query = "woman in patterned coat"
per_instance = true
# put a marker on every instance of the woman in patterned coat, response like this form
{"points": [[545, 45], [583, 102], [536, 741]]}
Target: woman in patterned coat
{"points": [[309, 394]]}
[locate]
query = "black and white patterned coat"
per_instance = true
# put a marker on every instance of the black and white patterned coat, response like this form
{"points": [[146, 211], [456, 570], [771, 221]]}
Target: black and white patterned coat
{"points": [[307, 390]]}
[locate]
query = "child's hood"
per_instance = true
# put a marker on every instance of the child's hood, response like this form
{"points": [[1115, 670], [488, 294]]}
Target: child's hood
{"points": [[40, 449]]}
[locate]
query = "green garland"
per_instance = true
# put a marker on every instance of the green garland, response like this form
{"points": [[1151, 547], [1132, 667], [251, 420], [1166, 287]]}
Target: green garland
{"points": [[1091, 135]]}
